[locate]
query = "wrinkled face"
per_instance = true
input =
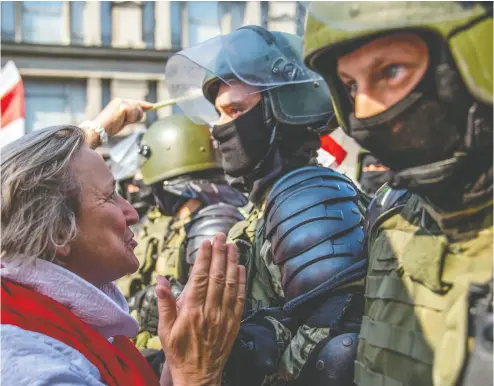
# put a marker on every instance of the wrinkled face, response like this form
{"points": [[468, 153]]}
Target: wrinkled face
{"points": [[234, 100], [382, 72], [103, 250]]}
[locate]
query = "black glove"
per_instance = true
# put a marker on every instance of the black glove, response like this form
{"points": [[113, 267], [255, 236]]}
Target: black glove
{"points": [[254, 355]]}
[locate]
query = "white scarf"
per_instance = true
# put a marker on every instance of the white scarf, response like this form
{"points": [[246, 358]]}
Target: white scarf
{"points": [[104, 309]]}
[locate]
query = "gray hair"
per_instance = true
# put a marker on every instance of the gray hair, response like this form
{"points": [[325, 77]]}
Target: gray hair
{"points": [[40, 195]]}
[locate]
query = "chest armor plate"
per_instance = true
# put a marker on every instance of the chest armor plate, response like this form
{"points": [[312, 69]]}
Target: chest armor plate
{"points": [[414, 330], [169, 253], [249, 238]]}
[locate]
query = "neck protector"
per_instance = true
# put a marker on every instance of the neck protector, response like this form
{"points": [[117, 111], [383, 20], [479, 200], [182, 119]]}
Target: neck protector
{"points": [[244, 142]]}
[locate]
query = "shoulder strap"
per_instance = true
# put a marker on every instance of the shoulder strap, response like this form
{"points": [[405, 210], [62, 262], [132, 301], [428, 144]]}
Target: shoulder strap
{"points": [[386, 198]]}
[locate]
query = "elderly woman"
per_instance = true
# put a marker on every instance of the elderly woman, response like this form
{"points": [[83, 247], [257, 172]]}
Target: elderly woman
{"points": [[65, 239]]}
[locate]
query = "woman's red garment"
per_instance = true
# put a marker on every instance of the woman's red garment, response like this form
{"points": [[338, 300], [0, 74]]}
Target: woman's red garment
{"points": [[120, 363]]}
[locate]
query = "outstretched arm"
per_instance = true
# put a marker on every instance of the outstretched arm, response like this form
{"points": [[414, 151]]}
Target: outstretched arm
{"points": [[114, 117]]}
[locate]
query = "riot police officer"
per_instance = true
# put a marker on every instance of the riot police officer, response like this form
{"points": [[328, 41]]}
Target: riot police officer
{"points": [[302, 241], [180, 164], [412, 83], [371, 173]]}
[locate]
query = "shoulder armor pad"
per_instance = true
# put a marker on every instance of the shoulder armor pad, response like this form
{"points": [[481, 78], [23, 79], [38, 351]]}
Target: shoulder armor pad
{"points": [[335, 362], [206, 223], [315, 229], [386, 198]]}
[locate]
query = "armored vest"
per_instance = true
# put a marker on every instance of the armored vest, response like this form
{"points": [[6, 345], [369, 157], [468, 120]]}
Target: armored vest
{"points": [[169, 254], [249, 236], [414, 331]]}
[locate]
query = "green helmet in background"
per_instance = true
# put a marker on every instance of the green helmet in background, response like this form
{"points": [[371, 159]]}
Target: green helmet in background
{"points": [[466, 28], [175, 146], [268, 61]]}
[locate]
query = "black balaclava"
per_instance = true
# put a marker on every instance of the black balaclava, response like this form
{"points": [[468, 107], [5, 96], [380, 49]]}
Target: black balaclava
{"points": [[244, 142], [258, 149], [371, 181], [208, 187], [168, 203]]}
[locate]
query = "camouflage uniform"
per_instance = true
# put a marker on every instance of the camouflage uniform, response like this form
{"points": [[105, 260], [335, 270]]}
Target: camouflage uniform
{"points": [[429, 285]]}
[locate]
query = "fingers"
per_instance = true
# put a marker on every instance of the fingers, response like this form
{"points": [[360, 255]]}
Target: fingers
{"points": [[198, 279], [180, 298], [240, 298], [167, 310], [231, 281], [132, 110], [217, 273], [146, 105]]}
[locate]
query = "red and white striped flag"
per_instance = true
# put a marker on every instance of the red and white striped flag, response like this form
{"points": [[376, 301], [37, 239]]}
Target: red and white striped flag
{"points": [[331, 154], [13, 109]]}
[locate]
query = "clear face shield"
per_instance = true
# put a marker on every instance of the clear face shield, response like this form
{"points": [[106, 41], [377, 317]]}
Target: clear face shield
{"points": [[251, 56], [124, 157]]}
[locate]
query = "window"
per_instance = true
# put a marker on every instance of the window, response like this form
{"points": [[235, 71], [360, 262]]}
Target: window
{"points": [[300, 16], [8, 20], [264, 14], [148, 23], [152, 96], [42, 21], [236, 11], [105, 16], [54, 101], [176, 23], [105, 92], [77, 22], [203, 21]]}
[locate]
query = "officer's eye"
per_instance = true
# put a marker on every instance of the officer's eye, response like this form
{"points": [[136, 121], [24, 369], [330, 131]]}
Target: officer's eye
{"points": [[352, 88], [392, 71], [235, 112]]}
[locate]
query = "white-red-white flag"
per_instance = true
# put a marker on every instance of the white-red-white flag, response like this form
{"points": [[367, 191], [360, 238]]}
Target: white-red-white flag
{"points": [[331, 154], [13, 108]]}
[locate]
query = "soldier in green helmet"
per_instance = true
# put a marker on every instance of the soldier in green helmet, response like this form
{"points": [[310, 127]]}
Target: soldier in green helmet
{"points": [[180, 164], [412, 82], [302, 241]]}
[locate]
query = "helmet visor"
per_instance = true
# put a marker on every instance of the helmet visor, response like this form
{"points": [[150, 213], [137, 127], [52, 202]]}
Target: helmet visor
{"points": [[254, 57], [124, 157]]}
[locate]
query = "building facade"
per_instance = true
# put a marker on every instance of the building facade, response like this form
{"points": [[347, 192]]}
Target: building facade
{"points": [[74, 57]]}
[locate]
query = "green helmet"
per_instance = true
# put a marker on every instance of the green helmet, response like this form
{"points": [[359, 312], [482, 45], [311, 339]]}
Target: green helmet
{"points": [[466, 28], [175, 146], [269, 61]]}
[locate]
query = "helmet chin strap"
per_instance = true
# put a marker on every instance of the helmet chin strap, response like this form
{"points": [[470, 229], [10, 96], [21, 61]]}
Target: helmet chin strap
{"points": [[424, 178], [271, 123]]}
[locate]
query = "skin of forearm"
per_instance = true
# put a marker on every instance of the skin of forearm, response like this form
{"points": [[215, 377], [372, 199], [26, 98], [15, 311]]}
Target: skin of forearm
{"points": [[167, 380]]}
